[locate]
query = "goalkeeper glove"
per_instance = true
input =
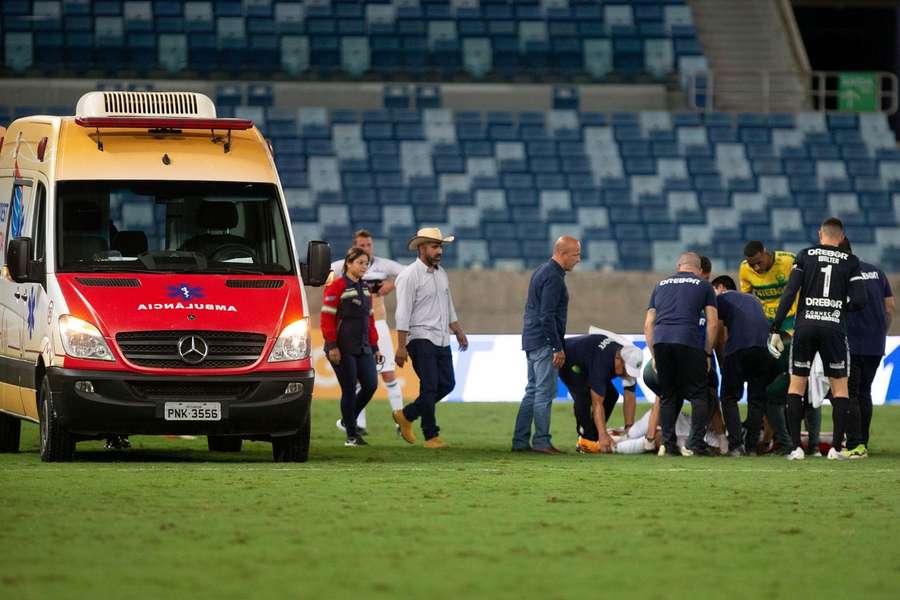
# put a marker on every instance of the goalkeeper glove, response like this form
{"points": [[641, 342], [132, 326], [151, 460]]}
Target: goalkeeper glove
{"points": [[775, 345]]}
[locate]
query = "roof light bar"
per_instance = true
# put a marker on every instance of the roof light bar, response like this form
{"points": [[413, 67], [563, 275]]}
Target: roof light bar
{"points": [[165, 123]]}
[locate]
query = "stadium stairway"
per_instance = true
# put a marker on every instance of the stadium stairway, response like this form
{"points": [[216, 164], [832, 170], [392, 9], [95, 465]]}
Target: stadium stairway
{"points": [[747, 40]]}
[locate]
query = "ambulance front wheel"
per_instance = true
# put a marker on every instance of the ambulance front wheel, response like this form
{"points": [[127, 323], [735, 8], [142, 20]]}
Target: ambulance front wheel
{"points": [[57, 444], [10, 433], [293, 448]]}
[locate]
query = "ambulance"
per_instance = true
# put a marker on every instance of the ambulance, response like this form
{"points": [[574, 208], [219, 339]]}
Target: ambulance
{"points": [[150, 279]]}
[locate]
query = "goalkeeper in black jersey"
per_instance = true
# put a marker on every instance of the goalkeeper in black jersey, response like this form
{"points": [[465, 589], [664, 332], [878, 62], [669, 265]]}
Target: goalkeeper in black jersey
{"points": [[830, 285]]}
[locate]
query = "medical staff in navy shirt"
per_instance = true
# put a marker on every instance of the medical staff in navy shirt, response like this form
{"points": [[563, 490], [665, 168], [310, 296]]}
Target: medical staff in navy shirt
{"points": [[592, 362], [866, 331], [743, 336], [680, 350]]}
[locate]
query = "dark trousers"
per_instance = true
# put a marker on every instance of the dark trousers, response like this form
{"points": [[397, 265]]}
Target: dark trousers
{"points": [[750, 366], [355, 368], [582, 406], [682, 375], [862, 373], [434, 367]]}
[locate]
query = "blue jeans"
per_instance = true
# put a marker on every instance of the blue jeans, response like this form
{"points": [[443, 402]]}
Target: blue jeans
{"points": [[434, 366], [537, 402]]}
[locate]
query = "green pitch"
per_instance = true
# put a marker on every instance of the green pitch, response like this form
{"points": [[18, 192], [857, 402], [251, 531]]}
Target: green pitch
{"points": [[168, 519]]}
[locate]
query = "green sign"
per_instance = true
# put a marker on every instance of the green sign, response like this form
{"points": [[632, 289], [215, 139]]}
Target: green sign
{"points": [[858, 92]]}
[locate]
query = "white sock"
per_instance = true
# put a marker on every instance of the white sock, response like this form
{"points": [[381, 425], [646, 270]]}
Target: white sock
{"points": [[395, 394], [361, 419], [630, 446]]}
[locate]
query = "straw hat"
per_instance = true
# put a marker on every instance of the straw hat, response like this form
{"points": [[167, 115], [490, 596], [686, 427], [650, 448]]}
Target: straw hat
{"points": [[428, 234]]}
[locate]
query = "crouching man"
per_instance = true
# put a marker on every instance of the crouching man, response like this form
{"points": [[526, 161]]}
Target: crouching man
{"points": [[592, 362]]}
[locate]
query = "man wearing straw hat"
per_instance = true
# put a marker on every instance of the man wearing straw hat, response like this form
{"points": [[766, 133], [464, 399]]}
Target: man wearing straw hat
{"points": [[425, 317]]}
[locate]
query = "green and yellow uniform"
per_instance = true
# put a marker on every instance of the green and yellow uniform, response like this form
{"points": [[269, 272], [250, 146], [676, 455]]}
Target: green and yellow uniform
{"points": [[769, 286]]}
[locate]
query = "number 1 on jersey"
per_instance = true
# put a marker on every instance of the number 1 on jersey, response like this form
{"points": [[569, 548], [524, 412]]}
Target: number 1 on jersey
{"points": [[827, 285]]}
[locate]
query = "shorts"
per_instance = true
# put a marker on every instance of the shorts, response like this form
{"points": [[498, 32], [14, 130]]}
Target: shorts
{"points": [[830, 344], [386, 347]]}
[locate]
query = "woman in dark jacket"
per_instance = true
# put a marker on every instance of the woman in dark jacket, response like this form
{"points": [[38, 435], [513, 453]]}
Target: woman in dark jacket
{"points": [[351, 341]]}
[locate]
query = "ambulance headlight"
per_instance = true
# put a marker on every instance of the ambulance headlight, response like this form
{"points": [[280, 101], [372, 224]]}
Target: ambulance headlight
{"points": [[293, 343], [81, 339]]}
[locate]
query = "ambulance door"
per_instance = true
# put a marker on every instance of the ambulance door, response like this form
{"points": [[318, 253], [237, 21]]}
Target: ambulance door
{"points": [[13, 295], [34, 300]]}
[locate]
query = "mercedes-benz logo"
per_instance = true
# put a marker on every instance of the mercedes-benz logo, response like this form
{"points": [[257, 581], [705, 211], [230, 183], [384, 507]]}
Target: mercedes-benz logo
{"points": [[192, 349]]}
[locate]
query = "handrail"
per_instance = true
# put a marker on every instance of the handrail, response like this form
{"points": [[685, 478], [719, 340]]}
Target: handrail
{"points": [[820, 89]]}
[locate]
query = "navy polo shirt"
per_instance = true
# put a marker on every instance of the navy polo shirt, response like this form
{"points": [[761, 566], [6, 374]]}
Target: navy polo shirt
{"points": [[745, 319], [546, 309], [678, 301], [592, 358], [867, 328]]}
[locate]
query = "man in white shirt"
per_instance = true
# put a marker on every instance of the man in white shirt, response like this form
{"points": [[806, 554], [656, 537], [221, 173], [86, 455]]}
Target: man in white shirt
{"points": [[378, 278], [425, 317]]}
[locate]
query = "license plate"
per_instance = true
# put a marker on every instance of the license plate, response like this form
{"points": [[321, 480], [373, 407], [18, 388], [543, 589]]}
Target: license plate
{"points": [[193, 411]]}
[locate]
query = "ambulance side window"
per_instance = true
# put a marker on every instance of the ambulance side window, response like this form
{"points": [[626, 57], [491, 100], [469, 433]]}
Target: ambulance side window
{"points": [[15, 211], [39, 229]]}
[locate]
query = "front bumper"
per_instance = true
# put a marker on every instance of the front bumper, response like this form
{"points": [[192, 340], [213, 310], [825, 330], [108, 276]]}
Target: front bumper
{"points": [[128, 403]]}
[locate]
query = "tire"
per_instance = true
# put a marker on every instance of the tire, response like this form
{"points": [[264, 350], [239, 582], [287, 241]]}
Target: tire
{"points": [[57, 444], [10, 433], [293, 448], [224, 443]]}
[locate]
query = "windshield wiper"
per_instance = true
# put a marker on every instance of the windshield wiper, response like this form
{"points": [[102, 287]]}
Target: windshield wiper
{"points": [[100, 267], [232, 269]]}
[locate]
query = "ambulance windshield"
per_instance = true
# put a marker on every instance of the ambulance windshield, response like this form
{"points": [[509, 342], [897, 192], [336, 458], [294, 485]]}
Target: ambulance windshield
{"points": [[171, 226]]}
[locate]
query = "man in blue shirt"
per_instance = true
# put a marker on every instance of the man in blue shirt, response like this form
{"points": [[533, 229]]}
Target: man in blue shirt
{"points": [[680, 350], [743, 335], [866, 331], [542, 340], [592, 362]]}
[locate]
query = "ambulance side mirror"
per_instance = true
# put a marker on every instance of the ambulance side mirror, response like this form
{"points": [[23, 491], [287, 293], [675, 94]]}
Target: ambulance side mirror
{"points": [[318, 264], [18, 260]]}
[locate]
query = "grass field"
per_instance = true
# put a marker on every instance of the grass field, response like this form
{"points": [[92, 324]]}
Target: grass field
{"points": [[169, 519]]}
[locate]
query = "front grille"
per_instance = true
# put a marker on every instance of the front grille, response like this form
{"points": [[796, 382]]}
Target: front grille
{"points": [[107, 282], [159, 349], [165, 390], [254, 283]]}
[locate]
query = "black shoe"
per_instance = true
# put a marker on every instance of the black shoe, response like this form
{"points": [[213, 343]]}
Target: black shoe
{"points": [[522, 449], [703, 451], [362, 431], [356, 441]]}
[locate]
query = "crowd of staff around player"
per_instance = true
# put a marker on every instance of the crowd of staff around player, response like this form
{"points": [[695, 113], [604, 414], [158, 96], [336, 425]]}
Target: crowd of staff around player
{"points": [[801, 329]]}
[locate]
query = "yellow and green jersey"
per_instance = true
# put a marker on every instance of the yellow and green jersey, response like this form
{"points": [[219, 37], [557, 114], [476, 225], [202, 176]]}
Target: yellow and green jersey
{"points": [[769, 286]]}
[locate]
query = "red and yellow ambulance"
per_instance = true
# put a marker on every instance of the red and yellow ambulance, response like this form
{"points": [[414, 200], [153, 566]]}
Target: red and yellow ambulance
{"points": [[151, 282]]}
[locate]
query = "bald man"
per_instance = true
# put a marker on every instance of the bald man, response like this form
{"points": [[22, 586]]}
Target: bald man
{"points": [[682, 351], [544, 329]]}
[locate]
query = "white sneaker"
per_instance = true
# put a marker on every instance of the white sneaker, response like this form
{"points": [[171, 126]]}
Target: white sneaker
{"points": [[797, 454], [816, 453], [686, 451], [340, 425], [661, 451], [835, 455]]}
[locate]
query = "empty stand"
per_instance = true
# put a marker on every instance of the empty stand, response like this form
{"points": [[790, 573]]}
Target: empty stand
{"points": [[417, 39]]}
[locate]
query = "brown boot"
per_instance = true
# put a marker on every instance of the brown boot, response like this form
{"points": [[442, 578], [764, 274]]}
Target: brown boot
{"points": [[406, 428], [435, 442]]}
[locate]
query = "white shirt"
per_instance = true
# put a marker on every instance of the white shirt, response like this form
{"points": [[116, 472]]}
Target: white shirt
{"points": [[424, 304], [379, 268]]}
